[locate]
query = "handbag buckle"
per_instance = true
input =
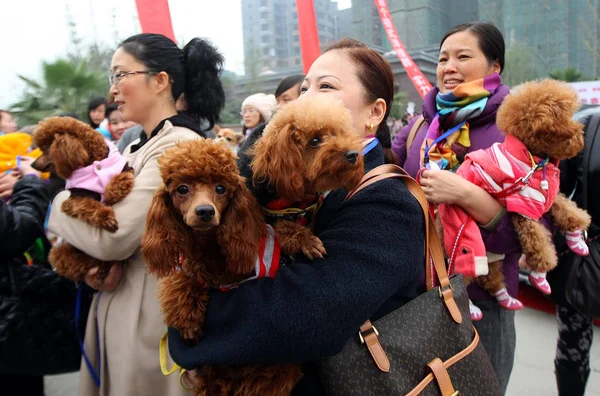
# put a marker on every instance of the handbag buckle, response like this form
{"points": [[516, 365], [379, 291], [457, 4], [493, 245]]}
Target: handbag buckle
{"points": [[441, 296], [362, 340]]}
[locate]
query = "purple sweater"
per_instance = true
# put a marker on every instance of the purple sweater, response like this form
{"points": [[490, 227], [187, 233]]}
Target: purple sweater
{"points": [[483, 133]]}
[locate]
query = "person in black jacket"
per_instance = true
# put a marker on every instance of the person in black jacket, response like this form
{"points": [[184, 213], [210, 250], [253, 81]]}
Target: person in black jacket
{"points": [[21, 223], [576, 330], [37, 331], [374, 241]]}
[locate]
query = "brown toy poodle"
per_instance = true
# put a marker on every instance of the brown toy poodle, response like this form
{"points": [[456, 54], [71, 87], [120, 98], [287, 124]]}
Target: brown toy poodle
{"points": [[204, 230], [522, 173], [307, 149], [97, 176]]}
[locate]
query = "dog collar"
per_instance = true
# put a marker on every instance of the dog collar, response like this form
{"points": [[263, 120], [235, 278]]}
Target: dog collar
{"points": [[296, 214]]}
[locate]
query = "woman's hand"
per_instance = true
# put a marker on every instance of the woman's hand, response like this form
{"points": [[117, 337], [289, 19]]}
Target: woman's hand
{"points": [[190, 379], [7, 182], [111, 281], [444, 187], [25, 166]]}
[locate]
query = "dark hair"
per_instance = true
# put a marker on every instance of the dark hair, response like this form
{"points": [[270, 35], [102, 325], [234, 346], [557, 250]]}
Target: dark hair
{"points": [[111, 107], [289, 82], [377, 79], [94, 104], [73, 115], [491, 41], [193, 71]]}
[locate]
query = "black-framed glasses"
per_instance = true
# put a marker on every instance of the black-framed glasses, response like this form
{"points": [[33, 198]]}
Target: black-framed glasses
{"points": [[114, 78]]}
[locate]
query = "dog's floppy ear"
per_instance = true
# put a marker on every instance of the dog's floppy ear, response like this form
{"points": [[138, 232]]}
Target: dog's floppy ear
{"points": [[278, 160], [162, 239], [241, 230], [68, 154]]}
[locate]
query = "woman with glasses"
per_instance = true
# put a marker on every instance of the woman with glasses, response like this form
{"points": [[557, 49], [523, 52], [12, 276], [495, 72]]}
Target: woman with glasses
{"points": [[257, 109], [148, 74]]}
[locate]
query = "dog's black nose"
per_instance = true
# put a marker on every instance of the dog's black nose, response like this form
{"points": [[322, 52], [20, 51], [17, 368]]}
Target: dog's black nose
{"points": [[205, 212], [351, 156]]}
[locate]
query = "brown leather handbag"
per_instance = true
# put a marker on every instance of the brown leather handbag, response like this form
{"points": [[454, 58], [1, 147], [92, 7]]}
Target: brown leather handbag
{"points": [[426, 347]]}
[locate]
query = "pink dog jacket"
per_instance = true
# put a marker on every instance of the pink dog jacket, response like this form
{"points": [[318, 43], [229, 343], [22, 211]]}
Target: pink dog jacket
{"points": [[95, 177]]}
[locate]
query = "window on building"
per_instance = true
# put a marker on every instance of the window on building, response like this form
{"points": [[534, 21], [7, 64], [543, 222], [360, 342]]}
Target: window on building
{"points": [[264, 15], [266, 51], [264, 39], [264, 3], [264, 27]]}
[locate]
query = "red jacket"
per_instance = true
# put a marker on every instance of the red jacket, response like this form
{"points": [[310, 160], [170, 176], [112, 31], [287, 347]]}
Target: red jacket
{"points": [[495, 169]]}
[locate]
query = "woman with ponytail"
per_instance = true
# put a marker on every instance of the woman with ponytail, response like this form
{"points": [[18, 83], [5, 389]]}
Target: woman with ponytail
{"points": [[149, 73], [374, 242]]}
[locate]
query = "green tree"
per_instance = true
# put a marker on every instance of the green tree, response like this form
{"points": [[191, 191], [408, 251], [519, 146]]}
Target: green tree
{"points": [[520, 65], [570, 74], [233, 103], [398, 109], [66, 87], [253, 68]]}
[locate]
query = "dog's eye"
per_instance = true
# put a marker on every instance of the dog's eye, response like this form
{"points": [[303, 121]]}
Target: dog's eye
{"points": [[220, 190], [314, 142], [182, 190]]}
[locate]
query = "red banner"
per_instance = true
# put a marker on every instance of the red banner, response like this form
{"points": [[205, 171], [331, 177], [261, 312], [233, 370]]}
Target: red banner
{"points": [[414, 73], [155, 17], [309, 35]]}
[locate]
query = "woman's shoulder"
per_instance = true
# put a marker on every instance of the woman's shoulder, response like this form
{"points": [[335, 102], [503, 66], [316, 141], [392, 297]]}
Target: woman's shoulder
{"points": [[168, 136]]}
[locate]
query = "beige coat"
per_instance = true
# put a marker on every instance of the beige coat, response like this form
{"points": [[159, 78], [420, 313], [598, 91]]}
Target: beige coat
{"points": [[129, 319]]}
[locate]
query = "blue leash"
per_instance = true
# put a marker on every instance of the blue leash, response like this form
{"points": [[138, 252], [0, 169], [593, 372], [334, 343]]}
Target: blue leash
{"points": [[95, 377], [440, 138], [370, 146]]}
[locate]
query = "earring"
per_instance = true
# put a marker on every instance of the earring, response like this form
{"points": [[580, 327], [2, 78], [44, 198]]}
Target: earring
{"points": [[371, 126]]}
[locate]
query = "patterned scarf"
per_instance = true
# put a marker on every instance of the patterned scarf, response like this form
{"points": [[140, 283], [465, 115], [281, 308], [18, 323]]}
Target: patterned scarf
{"points": [[448, 134]]}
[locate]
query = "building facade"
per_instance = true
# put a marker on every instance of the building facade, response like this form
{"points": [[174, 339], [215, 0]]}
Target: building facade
{"points": [[560, 33], [271, 37]]}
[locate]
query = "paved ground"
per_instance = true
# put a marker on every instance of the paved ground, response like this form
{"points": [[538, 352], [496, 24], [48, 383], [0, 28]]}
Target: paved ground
{"points": [[533, 374]]}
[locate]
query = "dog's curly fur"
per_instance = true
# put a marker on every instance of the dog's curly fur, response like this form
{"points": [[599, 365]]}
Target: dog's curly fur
{"points": [[68, 145], [540, 114], [304, 151], [192, 252]]}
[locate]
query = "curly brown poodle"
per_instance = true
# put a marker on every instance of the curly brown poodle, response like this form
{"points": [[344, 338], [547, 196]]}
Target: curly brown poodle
{"points": [[540, 114], [203, 230], [68, 145], [308, 148]]}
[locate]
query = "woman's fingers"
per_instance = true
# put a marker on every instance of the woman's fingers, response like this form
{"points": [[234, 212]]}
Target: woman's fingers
{"points": [[111, 281]]}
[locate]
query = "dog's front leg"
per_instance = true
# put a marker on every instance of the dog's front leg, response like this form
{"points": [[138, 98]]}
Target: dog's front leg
{"points": [[536, 243], [118, 188], [92, 212], [295, 238], [183, 302], [568, 216]]}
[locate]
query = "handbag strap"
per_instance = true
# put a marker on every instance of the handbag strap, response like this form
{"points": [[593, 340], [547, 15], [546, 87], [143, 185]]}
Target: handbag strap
{"points": [[413, 132], [434, 253], [435, 267]]}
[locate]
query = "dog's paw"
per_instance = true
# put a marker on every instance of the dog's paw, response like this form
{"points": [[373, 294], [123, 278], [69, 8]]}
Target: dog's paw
{"points": [[191, 333], [314, 248], [108, 221]]}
